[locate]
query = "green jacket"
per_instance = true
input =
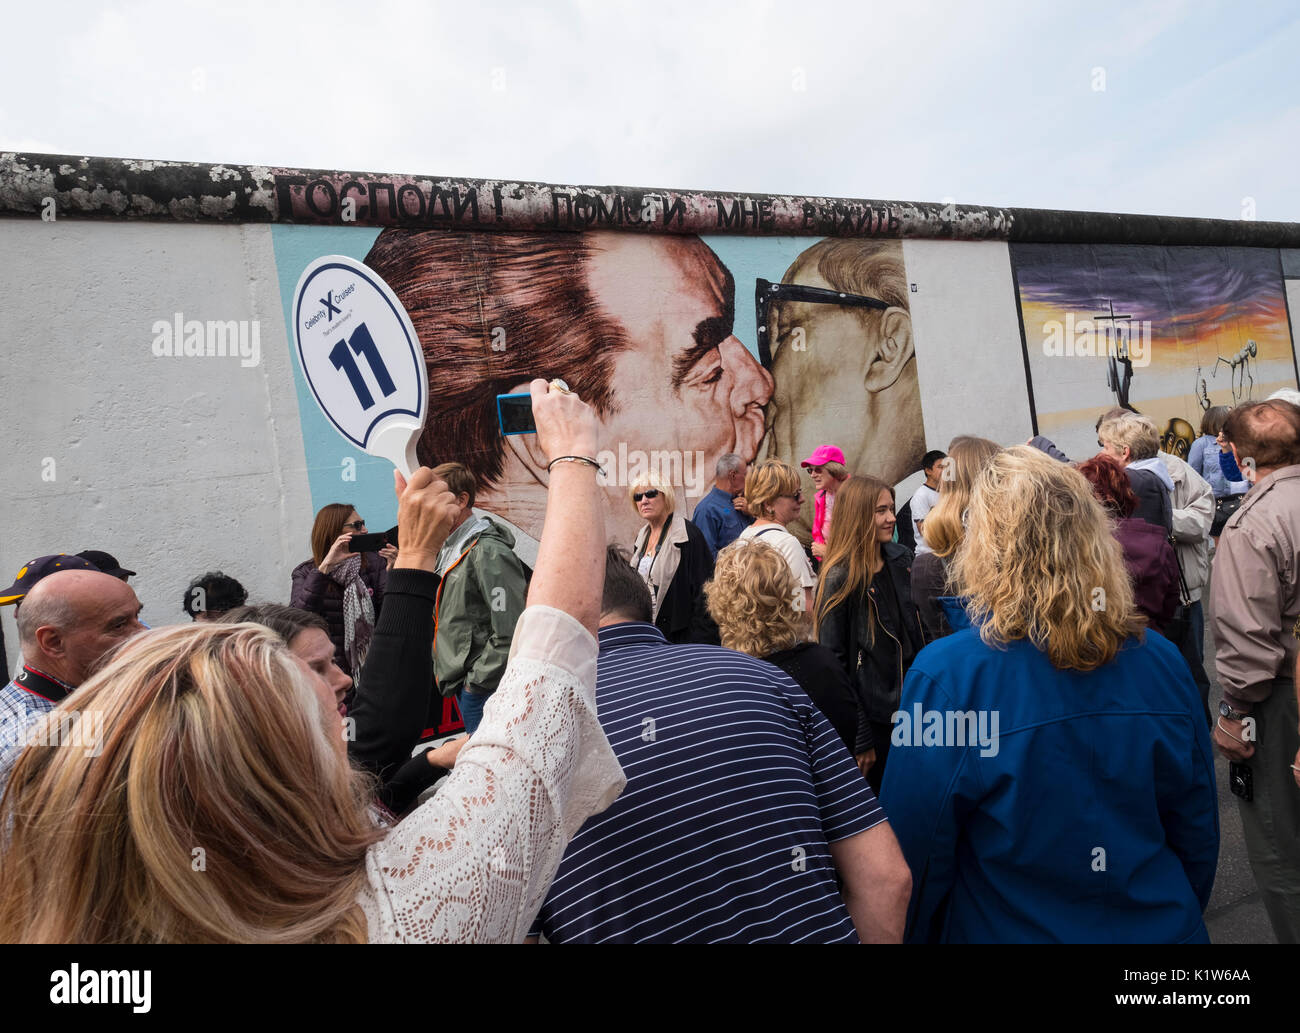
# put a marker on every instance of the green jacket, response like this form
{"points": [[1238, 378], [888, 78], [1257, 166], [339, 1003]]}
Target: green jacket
{"points": [[479, 601]]}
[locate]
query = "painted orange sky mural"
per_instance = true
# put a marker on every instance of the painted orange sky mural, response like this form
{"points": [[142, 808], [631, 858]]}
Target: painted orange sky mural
{"points": [[1198, 327]]}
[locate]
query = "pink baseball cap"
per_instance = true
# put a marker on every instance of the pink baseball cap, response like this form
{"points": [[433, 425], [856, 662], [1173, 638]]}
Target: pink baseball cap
{"points": [[822, 455]]}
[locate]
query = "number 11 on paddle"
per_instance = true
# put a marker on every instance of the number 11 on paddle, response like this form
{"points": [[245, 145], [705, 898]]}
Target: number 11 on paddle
{"points": [[361, 359]]}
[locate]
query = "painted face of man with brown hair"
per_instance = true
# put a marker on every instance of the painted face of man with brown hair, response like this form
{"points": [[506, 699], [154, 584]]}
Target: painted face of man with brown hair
{"points": [[640, 326], [683, 386], [687, 382]]}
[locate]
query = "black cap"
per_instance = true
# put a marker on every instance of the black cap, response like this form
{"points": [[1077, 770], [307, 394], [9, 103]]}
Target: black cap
{"points": [[107, 563], [42, 566]]}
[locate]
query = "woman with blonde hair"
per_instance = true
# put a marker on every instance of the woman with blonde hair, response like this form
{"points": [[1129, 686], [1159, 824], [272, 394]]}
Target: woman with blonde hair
{"points": [[1051, 778], [219, 806], [754, 598], [673, 557], [943, 530], [773, 498], [864, 612]]}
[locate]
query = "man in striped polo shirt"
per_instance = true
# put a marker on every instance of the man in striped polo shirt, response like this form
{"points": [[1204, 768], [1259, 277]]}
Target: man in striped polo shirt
{"points": [[742, 805]]}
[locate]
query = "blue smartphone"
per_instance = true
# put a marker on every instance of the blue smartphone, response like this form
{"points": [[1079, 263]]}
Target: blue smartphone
{"points": [[515, 414]]}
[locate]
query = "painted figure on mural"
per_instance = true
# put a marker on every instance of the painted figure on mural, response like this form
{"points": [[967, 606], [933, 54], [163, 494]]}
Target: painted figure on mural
{"points": [[1178, 438], [639, 326], [1215, 320], [845, 373]]}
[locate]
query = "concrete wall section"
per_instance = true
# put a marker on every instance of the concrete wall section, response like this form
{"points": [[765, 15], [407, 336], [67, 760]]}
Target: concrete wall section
{"points": [[176, 465], [969, 357]]}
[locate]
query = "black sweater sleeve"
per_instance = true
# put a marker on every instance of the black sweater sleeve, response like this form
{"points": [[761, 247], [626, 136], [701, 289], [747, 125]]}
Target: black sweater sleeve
{"points": [[411, 779], [391, 705]]}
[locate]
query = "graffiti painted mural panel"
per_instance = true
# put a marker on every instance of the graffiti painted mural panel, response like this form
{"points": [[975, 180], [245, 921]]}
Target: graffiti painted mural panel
{"points": [[663, 335], [1166, 331]]}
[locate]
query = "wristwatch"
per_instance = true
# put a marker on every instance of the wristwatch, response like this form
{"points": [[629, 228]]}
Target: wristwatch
{"points": [[1229, 713]]}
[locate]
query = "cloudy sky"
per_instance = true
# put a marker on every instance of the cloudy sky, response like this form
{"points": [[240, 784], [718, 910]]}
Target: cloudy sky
{"points": [[1159, 106]]}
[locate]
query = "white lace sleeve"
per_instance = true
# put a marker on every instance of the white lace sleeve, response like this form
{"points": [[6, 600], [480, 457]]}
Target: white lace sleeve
{"points": [[473, 864]]}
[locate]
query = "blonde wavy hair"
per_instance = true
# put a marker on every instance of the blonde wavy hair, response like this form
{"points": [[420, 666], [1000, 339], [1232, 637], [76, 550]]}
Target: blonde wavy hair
{"points": [[219, 808], [1039, 562], [967, 456], [768, 481], [752, 599]]}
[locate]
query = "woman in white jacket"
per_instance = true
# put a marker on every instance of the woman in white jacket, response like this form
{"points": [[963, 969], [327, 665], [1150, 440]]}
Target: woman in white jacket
{"points": [[219, 805]]}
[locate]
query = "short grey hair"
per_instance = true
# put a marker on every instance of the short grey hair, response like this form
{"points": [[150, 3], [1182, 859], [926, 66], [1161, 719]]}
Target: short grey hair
{"points": [[1286, 394], [729, 464], [1136, 433], [46, 610]]}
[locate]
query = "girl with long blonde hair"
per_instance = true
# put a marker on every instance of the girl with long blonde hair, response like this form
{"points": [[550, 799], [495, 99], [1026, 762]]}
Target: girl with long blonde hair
{"points": [[1051, 778], [176, 827], [863, 610]]}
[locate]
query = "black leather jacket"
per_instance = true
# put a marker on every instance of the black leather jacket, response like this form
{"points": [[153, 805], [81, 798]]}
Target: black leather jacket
{"points": [[844, 631]]}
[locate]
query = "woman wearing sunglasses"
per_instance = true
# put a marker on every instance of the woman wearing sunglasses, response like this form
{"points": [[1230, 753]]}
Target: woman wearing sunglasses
{"points": [[346, 588], [673, 557]]}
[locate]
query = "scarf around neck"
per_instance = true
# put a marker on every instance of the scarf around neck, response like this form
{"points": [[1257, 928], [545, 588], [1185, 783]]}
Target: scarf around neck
{"points": [[358, 614]]}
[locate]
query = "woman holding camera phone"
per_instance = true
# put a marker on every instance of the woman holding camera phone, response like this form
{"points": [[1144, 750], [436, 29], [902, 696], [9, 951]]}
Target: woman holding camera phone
{"points": [[346, 588], [99, 848]]}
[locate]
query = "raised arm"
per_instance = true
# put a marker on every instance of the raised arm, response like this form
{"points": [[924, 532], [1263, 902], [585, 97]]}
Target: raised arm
{"points": [[392, 699], [474, 863], [570, 571]]}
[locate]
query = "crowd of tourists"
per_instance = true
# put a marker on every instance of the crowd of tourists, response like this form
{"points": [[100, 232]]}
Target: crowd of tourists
{"points": [[983, 716]]}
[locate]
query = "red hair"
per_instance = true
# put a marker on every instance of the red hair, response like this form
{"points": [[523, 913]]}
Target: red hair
{"points": [[1110, 484]]}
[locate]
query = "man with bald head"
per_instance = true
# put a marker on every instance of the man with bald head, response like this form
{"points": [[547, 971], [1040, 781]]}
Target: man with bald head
{"points": [[67, 623]]}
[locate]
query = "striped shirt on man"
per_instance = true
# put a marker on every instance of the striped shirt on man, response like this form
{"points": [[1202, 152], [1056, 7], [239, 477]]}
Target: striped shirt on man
{"points": [[736, 787]]}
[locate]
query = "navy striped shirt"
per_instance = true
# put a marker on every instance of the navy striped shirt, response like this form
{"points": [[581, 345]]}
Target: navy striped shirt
{"points": [[736, 786]]}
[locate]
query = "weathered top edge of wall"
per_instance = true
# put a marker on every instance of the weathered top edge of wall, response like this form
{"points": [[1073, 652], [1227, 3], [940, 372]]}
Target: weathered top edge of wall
{"points": [[58, 186]]}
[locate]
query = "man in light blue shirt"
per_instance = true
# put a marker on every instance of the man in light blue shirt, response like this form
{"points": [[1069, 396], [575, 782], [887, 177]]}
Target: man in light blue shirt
{"points": [[721, 514]]}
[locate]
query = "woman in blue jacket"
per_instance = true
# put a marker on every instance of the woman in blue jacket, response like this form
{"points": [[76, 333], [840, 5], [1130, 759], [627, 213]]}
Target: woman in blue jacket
{"points": [[1051, 778]]}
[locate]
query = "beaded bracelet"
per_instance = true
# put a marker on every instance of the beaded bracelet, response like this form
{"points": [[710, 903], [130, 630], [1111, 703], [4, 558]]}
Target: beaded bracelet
{"points": [[576, 459]]}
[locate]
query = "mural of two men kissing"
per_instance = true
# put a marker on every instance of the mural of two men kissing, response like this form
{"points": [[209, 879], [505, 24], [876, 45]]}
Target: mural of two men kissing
{"points": [[644, 327]]}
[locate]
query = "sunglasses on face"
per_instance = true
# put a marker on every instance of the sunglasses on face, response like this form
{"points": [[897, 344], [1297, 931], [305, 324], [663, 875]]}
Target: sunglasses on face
{"points": [[653, 493], [797, 496], [356, 525], [766, 292]]}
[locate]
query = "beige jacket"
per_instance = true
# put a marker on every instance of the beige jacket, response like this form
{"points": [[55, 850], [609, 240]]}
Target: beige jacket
{"points": [[665, 563], [1256, 589], [1193, 513]]}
